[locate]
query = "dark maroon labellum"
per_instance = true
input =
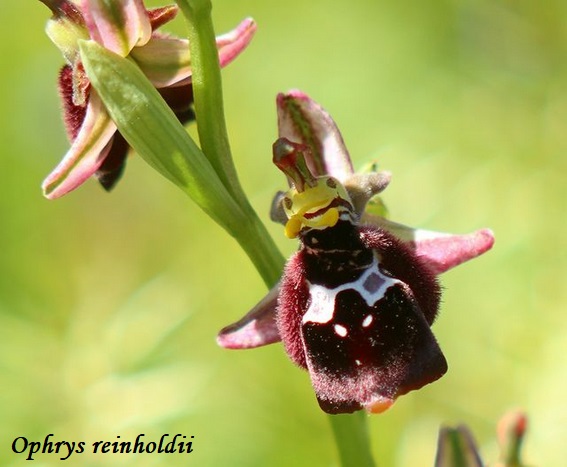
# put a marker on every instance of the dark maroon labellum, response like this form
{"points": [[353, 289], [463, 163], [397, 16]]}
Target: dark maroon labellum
{"points": [[355, 310]]}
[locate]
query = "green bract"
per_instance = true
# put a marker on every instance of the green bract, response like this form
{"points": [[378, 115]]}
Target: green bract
{"points": [[151, 127]]}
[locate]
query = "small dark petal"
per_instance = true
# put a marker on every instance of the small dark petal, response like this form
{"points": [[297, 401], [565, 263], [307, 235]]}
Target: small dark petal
{"points": [[113, 166], [73, 115], [186, 116], [277, 212], [180, 100], [159, 16], [65, 8]]}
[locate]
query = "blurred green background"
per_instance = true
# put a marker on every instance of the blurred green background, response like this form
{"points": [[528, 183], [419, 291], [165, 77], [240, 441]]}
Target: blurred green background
{"points": [[110, 303]]}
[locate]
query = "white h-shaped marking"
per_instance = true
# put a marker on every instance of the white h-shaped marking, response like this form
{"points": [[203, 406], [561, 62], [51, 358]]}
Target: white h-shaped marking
{"points": [[322, 307]]}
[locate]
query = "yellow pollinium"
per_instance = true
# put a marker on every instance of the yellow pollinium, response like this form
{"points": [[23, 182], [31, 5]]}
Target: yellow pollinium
{"points": [[307, 208]]}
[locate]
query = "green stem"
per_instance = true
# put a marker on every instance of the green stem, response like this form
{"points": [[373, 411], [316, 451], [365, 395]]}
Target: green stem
{"points": [[261, 249], [351, 434], [207, 92], [209, 109]]}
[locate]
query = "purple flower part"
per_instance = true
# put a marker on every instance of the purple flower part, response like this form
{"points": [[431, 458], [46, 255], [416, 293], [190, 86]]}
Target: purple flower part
{"points": [[257, 328], [232, 43], [117, 26], [73, 113], [446, 251], [302, 120], [166, 60], [112, 168], [65, 9], [440, 251], [87, 153], [162, 15]]}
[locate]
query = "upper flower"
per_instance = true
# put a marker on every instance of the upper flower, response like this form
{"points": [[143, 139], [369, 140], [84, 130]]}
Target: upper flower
{"points": [[126, 28]]}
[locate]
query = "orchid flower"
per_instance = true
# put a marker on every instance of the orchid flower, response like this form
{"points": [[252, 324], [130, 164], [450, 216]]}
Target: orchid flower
{"points": [[350, 259], [129, 30]]}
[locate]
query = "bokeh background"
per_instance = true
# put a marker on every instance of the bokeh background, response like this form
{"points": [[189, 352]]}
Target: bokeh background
{"points": [[110, 303]]}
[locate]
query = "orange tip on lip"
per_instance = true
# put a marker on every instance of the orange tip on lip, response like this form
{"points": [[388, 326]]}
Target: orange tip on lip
{"points": [[379, 405]]}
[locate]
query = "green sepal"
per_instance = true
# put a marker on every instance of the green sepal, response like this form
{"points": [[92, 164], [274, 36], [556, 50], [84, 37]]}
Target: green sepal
{"points": [[375, 205]]}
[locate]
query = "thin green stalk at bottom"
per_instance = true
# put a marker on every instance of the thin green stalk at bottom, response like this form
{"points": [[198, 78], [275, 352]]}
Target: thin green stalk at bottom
{"points": [[351, 436]]}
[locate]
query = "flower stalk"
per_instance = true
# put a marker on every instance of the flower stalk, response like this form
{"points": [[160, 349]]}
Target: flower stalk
{"points": [[353, 442], [207, 92], [213, 137]]}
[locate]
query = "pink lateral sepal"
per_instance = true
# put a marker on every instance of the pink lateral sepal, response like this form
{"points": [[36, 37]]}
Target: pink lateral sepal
{"points": [[445, 252], [87, 153], [440, 251], [257, 328], [232, 43]]}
